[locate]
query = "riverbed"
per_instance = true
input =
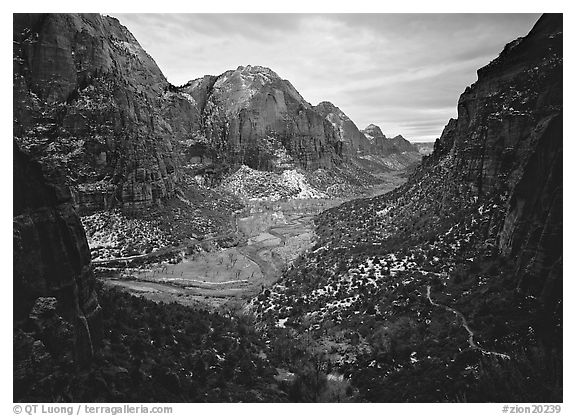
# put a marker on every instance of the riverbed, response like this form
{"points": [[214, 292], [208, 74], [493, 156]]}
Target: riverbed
{"points": [[272, 235]]}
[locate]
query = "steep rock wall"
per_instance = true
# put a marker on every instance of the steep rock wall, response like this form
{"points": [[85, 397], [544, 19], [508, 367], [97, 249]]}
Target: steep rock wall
{"points": [[90, 102], [256, 118], [51, 255], [507, 141]]}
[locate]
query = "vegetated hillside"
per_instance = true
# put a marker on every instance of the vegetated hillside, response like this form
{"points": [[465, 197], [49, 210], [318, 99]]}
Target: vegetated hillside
{"points": [[147, 352], [336, 182], [75, 341], [423, 293]]}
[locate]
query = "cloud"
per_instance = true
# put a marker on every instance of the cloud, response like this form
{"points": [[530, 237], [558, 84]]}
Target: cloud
{"points": [[403, 72]]}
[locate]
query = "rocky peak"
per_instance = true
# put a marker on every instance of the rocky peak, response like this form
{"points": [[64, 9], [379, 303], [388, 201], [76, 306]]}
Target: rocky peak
{"points": [[326, 108], [372, 131], [257, 70], [253, 117], [345, 129]]}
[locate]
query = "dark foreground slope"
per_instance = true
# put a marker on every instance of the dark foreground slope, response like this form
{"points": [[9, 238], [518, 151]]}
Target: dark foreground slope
{"points": [[153, 352], [450, 287], [56, 311]]}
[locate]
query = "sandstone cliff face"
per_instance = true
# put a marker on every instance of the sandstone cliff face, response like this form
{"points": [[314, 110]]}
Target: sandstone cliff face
{"points": [[346, 131], [508, 141], [51, 259], [502, 116], [89, 102], [254, 117]]}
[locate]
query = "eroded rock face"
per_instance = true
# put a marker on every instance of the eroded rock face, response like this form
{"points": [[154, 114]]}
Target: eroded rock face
{"points": [[258, 119], [502, 116], [507, 141], [90, 103], [346, 131], [53, 276]]}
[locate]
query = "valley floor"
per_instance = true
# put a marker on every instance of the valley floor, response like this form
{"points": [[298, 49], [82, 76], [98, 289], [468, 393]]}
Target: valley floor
{"points": [[269, 235]]}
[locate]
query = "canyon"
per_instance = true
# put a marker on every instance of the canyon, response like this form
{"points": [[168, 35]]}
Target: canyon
{"points": [[225, 240]]}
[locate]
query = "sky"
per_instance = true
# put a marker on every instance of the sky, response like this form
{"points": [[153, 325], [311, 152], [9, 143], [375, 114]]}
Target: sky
{"points": [[402, 72]]}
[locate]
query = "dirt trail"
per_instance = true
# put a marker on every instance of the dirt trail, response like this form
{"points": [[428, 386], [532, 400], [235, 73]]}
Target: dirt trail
{"points": [[471, 340]]}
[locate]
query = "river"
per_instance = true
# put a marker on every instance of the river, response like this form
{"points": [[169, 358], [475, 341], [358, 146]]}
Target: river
{"points": [[273, 234]]}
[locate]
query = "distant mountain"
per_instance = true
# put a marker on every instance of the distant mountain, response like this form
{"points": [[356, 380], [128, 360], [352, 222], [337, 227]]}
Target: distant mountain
{"points": [[253, 117], [397, 153], [383, 144], [346, 131], [446, 287]]}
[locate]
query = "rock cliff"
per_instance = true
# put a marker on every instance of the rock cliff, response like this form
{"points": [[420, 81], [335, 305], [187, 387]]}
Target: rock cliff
{"points": [[346, 131], [506, 144], [253, 117], [53, 276], [396, 153], [507, 141], [385, 145], [91, 103]]}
